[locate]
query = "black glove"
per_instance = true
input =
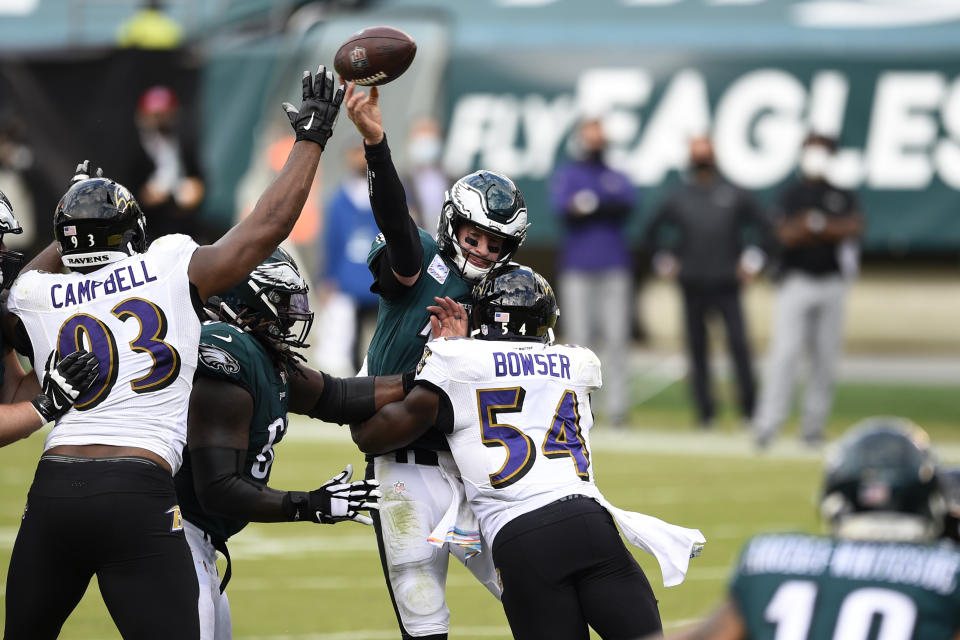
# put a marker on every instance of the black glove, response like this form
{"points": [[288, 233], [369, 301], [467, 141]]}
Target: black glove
{"points": [[318, 112], [82, 172], [63, 382], [335, 501]]}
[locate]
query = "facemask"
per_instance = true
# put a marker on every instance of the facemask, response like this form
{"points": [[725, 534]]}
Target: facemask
{"points": [[424, 150], [814, 161]]}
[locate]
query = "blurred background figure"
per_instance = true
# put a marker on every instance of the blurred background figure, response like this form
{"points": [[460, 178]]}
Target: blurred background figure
{"points": [[594, 203], [170, 186], [710, 221], [349, 313], [150, 28], [425, 181], [815, 220]]}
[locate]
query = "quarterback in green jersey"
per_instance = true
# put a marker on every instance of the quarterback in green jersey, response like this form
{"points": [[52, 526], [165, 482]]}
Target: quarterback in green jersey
{"points": [[248, 379], [881, 575], [482, 223]]}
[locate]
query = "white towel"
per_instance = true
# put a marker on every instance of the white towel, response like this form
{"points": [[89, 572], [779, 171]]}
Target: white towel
{"points": [[671, 545], [459, 524]]}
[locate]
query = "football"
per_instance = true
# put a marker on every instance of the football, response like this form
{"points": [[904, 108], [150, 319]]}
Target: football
{"points": [[375, 56]]}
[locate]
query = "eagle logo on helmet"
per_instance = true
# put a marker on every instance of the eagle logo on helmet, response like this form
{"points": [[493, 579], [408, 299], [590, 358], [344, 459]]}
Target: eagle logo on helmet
{"points": [[280, 274], [218, 359]]}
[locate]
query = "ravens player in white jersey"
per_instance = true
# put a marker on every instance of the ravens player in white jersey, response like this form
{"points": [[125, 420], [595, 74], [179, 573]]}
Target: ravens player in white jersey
{"points": [[24, 406], [515, 409], [103, 500], [880, 573]]}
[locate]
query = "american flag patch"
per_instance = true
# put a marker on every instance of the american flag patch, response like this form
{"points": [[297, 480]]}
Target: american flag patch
{"points": [[70, 230], [501, 316]]}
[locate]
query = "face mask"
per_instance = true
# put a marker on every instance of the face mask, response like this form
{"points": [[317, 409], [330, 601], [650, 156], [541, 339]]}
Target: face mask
{"points": [[424, 150], [814, 161]]}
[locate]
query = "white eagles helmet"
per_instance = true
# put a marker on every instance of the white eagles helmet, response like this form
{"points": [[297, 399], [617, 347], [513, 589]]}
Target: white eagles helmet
{"points": [[492, 202], [10, 261]]}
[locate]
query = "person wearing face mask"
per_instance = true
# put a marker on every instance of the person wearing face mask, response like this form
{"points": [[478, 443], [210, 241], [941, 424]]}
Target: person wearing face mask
{"points": [[425, 183], [815, 220], [720, 234], [167, 171], [593, 202], [350, 308]]}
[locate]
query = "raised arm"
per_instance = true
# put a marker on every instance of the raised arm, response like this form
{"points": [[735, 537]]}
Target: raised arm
{"points": [[388, 199], [217, 267], [218, 435]]}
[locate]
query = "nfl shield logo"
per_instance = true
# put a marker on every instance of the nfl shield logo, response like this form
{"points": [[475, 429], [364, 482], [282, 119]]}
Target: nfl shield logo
{"points": [[358, 58]]}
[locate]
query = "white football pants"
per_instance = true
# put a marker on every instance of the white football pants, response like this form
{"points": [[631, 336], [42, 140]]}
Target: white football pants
{"points": [[415, 497], [214, 608]]}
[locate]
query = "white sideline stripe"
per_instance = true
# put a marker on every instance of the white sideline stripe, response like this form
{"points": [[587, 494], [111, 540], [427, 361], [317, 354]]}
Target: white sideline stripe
{"points": [[389, 634], [378, 634], [684, 443]]}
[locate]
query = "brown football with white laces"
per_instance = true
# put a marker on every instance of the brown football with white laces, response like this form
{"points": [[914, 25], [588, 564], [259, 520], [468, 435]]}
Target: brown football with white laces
{"points": [[375, 56]]}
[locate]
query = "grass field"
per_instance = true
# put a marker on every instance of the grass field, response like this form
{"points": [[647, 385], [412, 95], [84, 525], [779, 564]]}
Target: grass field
{"points": [[302, 581]]}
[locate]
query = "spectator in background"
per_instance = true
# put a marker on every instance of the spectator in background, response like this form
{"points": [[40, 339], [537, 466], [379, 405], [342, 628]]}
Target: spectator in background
{"points": [[594, 202], [350, 308], [815, 220], [426, 183], [170, 187], [710, 218], [150, 28]]}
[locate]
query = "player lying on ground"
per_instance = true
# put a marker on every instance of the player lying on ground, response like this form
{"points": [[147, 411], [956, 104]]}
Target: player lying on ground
{"points": [[483, 222], [515, 409], [103, 500], [880, 574], [248, 378], [25, 406]]}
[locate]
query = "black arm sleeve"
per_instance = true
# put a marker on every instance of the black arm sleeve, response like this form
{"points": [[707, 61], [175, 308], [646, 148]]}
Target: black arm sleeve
{"points": [[222, 489], [345, 400], [389, 203]]}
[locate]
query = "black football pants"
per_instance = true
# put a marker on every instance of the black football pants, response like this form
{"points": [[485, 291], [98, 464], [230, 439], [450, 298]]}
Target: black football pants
{"points": [[699, 301], [111, 517], [563, 567]]}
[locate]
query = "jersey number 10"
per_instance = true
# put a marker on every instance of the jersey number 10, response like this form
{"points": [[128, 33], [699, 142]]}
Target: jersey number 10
{"points": [[563, 437]]}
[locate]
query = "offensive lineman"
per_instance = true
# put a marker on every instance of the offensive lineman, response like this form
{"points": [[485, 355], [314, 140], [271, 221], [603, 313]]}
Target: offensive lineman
{"points": [[880, 574], [62, 381], [103, 500], [483, 222], [515, 409], [248, 378]]}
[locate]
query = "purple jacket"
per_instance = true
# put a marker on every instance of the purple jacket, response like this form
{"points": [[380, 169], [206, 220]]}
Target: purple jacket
{"points": [[593, 202]]}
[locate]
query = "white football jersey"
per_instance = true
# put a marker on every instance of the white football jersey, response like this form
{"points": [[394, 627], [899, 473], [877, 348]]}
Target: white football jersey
{"points": [[136, 316], [522, 420]]}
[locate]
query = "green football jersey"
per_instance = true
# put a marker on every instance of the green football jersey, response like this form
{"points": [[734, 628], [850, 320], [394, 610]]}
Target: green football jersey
{"points": [[805, 587], [227, 353], [403, 323]]}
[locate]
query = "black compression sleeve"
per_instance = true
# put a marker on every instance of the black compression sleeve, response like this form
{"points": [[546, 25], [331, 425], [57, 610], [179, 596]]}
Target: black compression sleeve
{"points": [[222, 489], [389, 203], [345, 400]]}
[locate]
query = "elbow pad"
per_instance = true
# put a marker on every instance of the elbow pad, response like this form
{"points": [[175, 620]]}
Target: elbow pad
{"points": [[345, 400]]}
